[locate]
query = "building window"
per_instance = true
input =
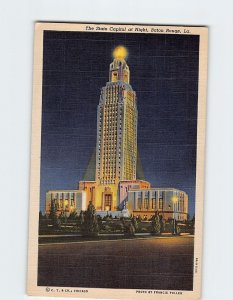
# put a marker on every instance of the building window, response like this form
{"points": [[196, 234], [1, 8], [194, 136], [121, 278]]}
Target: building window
{"points": [[140, 203], [161, 203], [146, 203], [108, 201], [153, 203]]}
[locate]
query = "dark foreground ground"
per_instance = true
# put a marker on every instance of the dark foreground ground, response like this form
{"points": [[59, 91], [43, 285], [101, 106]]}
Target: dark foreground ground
{"points": [[151, 263]]}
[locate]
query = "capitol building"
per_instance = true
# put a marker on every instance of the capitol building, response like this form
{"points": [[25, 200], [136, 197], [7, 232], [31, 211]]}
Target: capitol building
{"points": [[116, 188]]}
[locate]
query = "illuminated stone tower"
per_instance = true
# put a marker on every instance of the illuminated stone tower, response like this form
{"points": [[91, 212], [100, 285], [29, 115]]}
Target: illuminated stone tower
{"points": [[116, 188], [116, 148]]}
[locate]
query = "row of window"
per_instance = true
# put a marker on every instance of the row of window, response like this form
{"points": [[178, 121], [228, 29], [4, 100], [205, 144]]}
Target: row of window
{"points": [[109, 169], [112, 91], [110, 125], [111, 147], [62, 196], [109, 156], [110, 117], [111, 139], [108, 107], [180, 204], [144, 204], [110, 114], [62, 204], [153, 194], [161, 195], [107, 178], [110, 134]]}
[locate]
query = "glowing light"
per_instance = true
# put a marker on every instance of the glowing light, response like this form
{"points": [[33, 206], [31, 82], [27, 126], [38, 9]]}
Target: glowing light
{"points": [[174, 199], [120, 52]]}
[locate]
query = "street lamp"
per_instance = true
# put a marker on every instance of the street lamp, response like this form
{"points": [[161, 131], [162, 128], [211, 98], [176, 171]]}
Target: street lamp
{"points": [[174, 201]]}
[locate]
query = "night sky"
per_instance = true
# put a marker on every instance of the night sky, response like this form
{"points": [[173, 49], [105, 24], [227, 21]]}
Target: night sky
{"points": [[164, 74]]}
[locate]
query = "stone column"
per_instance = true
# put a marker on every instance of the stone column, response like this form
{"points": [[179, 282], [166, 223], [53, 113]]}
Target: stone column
{"points": [[75, 206], [63, 201], [56, 199], [69, 200], [150, 200], [143, 197], [102, 201], [134, 201], [157, 201]]}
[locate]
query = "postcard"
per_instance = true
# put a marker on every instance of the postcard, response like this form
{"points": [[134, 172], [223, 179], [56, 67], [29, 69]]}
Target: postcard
{"points": [[117, 161]]}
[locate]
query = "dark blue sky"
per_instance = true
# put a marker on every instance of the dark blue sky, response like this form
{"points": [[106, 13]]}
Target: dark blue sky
{"points": [[164, 74]]}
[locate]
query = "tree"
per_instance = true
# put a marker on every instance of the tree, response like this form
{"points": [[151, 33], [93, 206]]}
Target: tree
{"points": [[41, 218], [139, 218], [156, 229], [53, 215], [80, 220], [63, 217], [43, 226], [99, 221], [81, 217], [135, 223], [193, 221], [90, 225], [162, 224], [73, 215]]}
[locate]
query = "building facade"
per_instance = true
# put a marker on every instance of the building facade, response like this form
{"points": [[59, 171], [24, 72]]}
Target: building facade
{"points": [[126, 185], [65, 201], [121, 189], [169, 202]]}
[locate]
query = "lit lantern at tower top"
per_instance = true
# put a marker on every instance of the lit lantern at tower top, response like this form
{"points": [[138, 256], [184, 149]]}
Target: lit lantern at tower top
{"points": [[120, 52]]}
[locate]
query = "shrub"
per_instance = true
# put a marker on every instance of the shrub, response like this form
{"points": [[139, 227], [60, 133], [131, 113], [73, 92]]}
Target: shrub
{"points": [[155, 224], [135, 223], [89, 225], [73, 215], [129, 230]]}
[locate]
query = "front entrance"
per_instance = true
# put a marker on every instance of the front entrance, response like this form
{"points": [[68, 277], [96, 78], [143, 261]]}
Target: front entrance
{"points": [[107, 201]]}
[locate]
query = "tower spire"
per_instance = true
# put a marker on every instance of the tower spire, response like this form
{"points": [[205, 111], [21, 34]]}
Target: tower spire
{"points": [[116, 149], [119, 70]]}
